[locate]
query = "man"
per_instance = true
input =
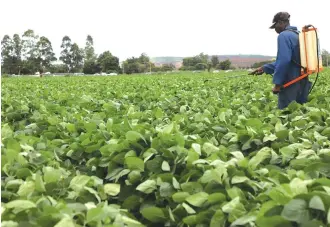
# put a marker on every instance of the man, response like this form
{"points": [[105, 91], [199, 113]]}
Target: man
{"points": [[287, 65]]}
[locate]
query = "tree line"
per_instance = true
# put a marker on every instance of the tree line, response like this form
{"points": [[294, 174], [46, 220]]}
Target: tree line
{"points": [[31, 53]]}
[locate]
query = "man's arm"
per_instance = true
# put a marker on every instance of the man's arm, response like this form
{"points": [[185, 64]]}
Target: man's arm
{"points": [[284, 55], [269, 68]]}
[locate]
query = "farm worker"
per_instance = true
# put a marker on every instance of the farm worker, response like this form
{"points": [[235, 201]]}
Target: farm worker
{"points": [[287, 64]]}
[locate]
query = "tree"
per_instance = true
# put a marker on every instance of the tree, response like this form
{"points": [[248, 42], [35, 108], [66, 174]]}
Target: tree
{"points": [[89, 50], [91, 67], [17, 53], [225, 65], [198, 62], [45, 53], [66, 55], [77, 60], [29, 52], [325, 58], [108, 62], [7, 53], [215, 61]]}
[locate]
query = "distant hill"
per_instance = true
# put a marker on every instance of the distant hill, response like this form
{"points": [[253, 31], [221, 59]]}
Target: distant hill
{"points": [[237, 60]]}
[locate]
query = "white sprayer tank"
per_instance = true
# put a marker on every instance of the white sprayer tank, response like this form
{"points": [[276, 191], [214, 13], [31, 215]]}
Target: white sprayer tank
{"points": [[309, 45]]}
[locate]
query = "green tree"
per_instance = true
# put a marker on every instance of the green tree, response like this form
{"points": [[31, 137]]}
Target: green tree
{"points": [[225, 65], [325, 58], [108, 62], [17, 53], [89, 50], [45, 54], [66, 54], [215, 61], [77, 58], [29, 52], [7, 52]]}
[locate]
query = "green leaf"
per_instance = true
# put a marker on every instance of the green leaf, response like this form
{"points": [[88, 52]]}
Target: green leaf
{"points": [[209, 148], [26, 189], [261, 155], [176, 184], [188, 209], [218, 219], [65, 222], [165, 166], [296, 210], [197, 148], [147, 187], [134, 163], [316, 203], [216, 198], [190, 220], [153, 214], [180, 197], [51, 175], [95, 214], [78, 182], [9, 224], [244, 220], [133, 136], [112, 189], [239, 179], [20, 205], [270, 137], [197, 199], [39, 184], [166, 189]]}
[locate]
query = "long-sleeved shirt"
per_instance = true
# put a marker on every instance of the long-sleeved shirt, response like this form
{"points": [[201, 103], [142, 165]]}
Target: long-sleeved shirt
{"points": [[284, 69]]}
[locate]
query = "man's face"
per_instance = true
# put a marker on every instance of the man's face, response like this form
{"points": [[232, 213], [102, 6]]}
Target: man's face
{"points": [[280, 26]]}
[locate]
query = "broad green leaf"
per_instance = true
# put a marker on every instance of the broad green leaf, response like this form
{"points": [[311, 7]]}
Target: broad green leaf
{"points": [[180, 197], [296, 210], [78, 182], [26, 189], [263, 154], [209, 148], [165, 166], [218, 219], [153, 214], [95, 214], [65, 222], [147, 187], [188, 208], [112, 189], [197, 199], [134, 163], [39, 184], [244, 220], [20, 204], [9, 224], [270, 137], [134, 136], [239, 179], [316, 203], [197, 147]]}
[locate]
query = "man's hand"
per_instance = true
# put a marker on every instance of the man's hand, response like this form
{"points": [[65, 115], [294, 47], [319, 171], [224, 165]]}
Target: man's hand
{"points": [[258, 71], [276, 89]]}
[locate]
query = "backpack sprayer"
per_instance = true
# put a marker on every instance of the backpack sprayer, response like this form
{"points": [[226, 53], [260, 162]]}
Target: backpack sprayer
{"points": [[310, 56]]}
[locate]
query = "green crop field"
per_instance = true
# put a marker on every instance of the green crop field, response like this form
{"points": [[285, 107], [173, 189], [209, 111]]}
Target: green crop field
{"points": [[164, 150]]}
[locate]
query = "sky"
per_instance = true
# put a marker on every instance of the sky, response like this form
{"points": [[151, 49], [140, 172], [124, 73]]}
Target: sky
{"points": [[178, 28]]}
